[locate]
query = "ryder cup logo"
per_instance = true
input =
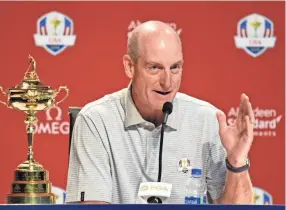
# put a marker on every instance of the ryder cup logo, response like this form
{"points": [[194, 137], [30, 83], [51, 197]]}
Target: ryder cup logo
{"points": [[255, 34], [184, 165], [54, 32], [261, 197]]}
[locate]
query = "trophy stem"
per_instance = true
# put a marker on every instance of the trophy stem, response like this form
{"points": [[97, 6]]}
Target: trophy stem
{"points": [[30, 147], [31, 120]]}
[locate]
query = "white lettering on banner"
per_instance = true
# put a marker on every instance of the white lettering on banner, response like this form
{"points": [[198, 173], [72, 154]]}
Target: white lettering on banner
{"points": [[262, 42], [54, 40], [135, 23], [54, 125], [257, 112], [266, 120]]}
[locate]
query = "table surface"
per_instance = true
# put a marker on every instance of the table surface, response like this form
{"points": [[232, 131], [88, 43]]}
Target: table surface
{"points": [[139, 207]]}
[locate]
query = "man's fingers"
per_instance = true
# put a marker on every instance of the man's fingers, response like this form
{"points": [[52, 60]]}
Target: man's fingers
{"points": [[240, 107], [249, 126], [247, 109], [250, 113], [244, 100], [221, 120], [242, 110]]}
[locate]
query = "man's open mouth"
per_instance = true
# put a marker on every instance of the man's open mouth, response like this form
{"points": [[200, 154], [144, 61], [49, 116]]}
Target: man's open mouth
{"points": [[162, 93]]}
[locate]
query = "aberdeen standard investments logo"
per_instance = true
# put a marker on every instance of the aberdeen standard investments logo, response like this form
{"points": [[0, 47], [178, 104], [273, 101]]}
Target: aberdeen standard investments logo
{"points": [[53, 124], [266, 120], [255, 34], [54, 32]]}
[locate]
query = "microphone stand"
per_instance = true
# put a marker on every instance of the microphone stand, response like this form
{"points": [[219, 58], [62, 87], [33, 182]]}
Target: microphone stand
{"points": [[155, 199], [160, 152], [167, 109]]}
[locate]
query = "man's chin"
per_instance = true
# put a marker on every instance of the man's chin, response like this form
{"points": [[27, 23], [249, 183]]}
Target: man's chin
{"points": [[159, 104], [158, 100]]}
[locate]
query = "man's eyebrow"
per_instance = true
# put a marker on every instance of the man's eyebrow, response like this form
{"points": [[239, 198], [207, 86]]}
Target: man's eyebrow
{"points": [[157, 63], [178, 63]]}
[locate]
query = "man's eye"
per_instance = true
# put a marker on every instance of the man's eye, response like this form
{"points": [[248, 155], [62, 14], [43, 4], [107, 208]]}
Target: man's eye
{"points": [[175, 67], [154, 68]]}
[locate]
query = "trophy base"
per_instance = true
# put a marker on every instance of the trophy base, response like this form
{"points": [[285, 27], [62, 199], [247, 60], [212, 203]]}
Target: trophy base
{"points": [[31, 199], [30, 165], [31, 185]]}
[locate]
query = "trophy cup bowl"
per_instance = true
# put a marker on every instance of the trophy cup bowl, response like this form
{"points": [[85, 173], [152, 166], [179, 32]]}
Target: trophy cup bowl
{"points": [[31, 183]]}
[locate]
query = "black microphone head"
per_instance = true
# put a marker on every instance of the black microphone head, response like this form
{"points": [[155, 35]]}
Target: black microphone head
{"points": [[167, 107], [154, 199]]}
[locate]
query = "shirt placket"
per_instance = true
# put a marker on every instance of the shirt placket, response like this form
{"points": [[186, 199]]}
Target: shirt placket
{"points": [[152, 156]]}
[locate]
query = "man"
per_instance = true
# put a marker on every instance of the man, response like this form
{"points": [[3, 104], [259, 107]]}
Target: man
{"points": [[115, 143]]}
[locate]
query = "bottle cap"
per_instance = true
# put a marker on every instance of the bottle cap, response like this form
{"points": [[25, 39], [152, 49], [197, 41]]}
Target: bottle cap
{"points": [[196, 172]]}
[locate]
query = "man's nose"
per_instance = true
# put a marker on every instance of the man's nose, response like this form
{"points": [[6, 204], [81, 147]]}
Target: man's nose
{"points": [[165, 80]]}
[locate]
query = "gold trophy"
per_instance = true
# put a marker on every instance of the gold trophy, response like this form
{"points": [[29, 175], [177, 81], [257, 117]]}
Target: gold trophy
{"points": [[255, 24], [31, 183]]}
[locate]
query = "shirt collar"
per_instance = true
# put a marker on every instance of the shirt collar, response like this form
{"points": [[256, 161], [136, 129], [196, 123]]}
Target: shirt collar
{"points": [[133, 117]]}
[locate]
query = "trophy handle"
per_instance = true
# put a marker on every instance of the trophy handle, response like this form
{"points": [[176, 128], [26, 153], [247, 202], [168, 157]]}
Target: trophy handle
{"points": [[59, 90], [4, 93]]}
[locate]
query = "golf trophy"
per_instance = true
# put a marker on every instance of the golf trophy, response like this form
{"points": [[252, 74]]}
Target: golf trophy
{"points": [[31, 183]]}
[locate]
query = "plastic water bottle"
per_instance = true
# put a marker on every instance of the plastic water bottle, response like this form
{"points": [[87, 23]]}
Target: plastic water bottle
{"points": [[195, 191]]}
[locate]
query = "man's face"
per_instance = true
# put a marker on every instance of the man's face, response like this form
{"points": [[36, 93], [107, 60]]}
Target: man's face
{"points": [[158, 72]]}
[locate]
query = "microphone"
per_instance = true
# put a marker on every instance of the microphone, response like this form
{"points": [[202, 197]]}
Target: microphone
{"points": [[158, 190], [167, 109]]}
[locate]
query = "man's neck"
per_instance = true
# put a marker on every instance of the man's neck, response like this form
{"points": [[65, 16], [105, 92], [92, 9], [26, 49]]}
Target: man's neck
{"points": [[156, 119]]}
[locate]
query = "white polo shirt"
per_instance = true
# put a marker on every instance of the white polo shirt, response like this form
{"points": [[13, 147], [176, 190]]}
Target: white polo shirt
{"points": [[114, 149]]}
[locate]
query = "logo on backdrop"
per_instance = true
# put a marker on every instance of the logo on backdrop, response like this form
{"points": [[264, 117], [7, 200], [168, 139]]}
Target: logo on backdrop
{"points": [[255, 34], [261, 197], [54, 124], [266, 120], [54, 32], [134, 23]]}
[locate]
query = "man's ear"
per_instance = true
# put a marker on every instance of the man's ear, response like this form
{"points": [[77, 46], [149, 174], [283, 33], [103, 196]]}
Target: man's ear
{"points": [[128, 66]]}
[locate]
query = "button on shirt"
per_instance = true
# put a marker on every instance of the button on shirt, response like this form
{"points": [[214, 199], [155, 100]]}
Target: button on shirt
{"points": [[114, 149]]}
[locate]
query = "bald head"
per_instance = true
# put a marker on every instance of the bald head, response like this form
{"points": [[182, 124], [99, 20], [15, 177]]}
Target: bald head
{"points": [[155, 32]]}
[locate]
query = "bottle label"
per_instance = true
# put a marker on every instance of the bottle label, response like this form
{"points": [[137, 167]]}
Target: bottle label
{"points": [[195, 200]]}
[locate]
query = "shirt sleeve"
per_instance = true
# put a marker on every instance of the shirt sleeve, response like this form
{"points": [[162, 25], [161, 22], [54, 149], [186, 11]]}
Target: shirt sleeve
{"points": [[216, 175], [89, 166]]}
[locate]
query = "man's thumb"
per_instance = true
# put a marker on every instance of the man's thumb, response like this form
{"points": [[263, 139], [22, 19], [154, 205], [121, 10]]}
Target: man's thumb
{"points": [[221, 120]]}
